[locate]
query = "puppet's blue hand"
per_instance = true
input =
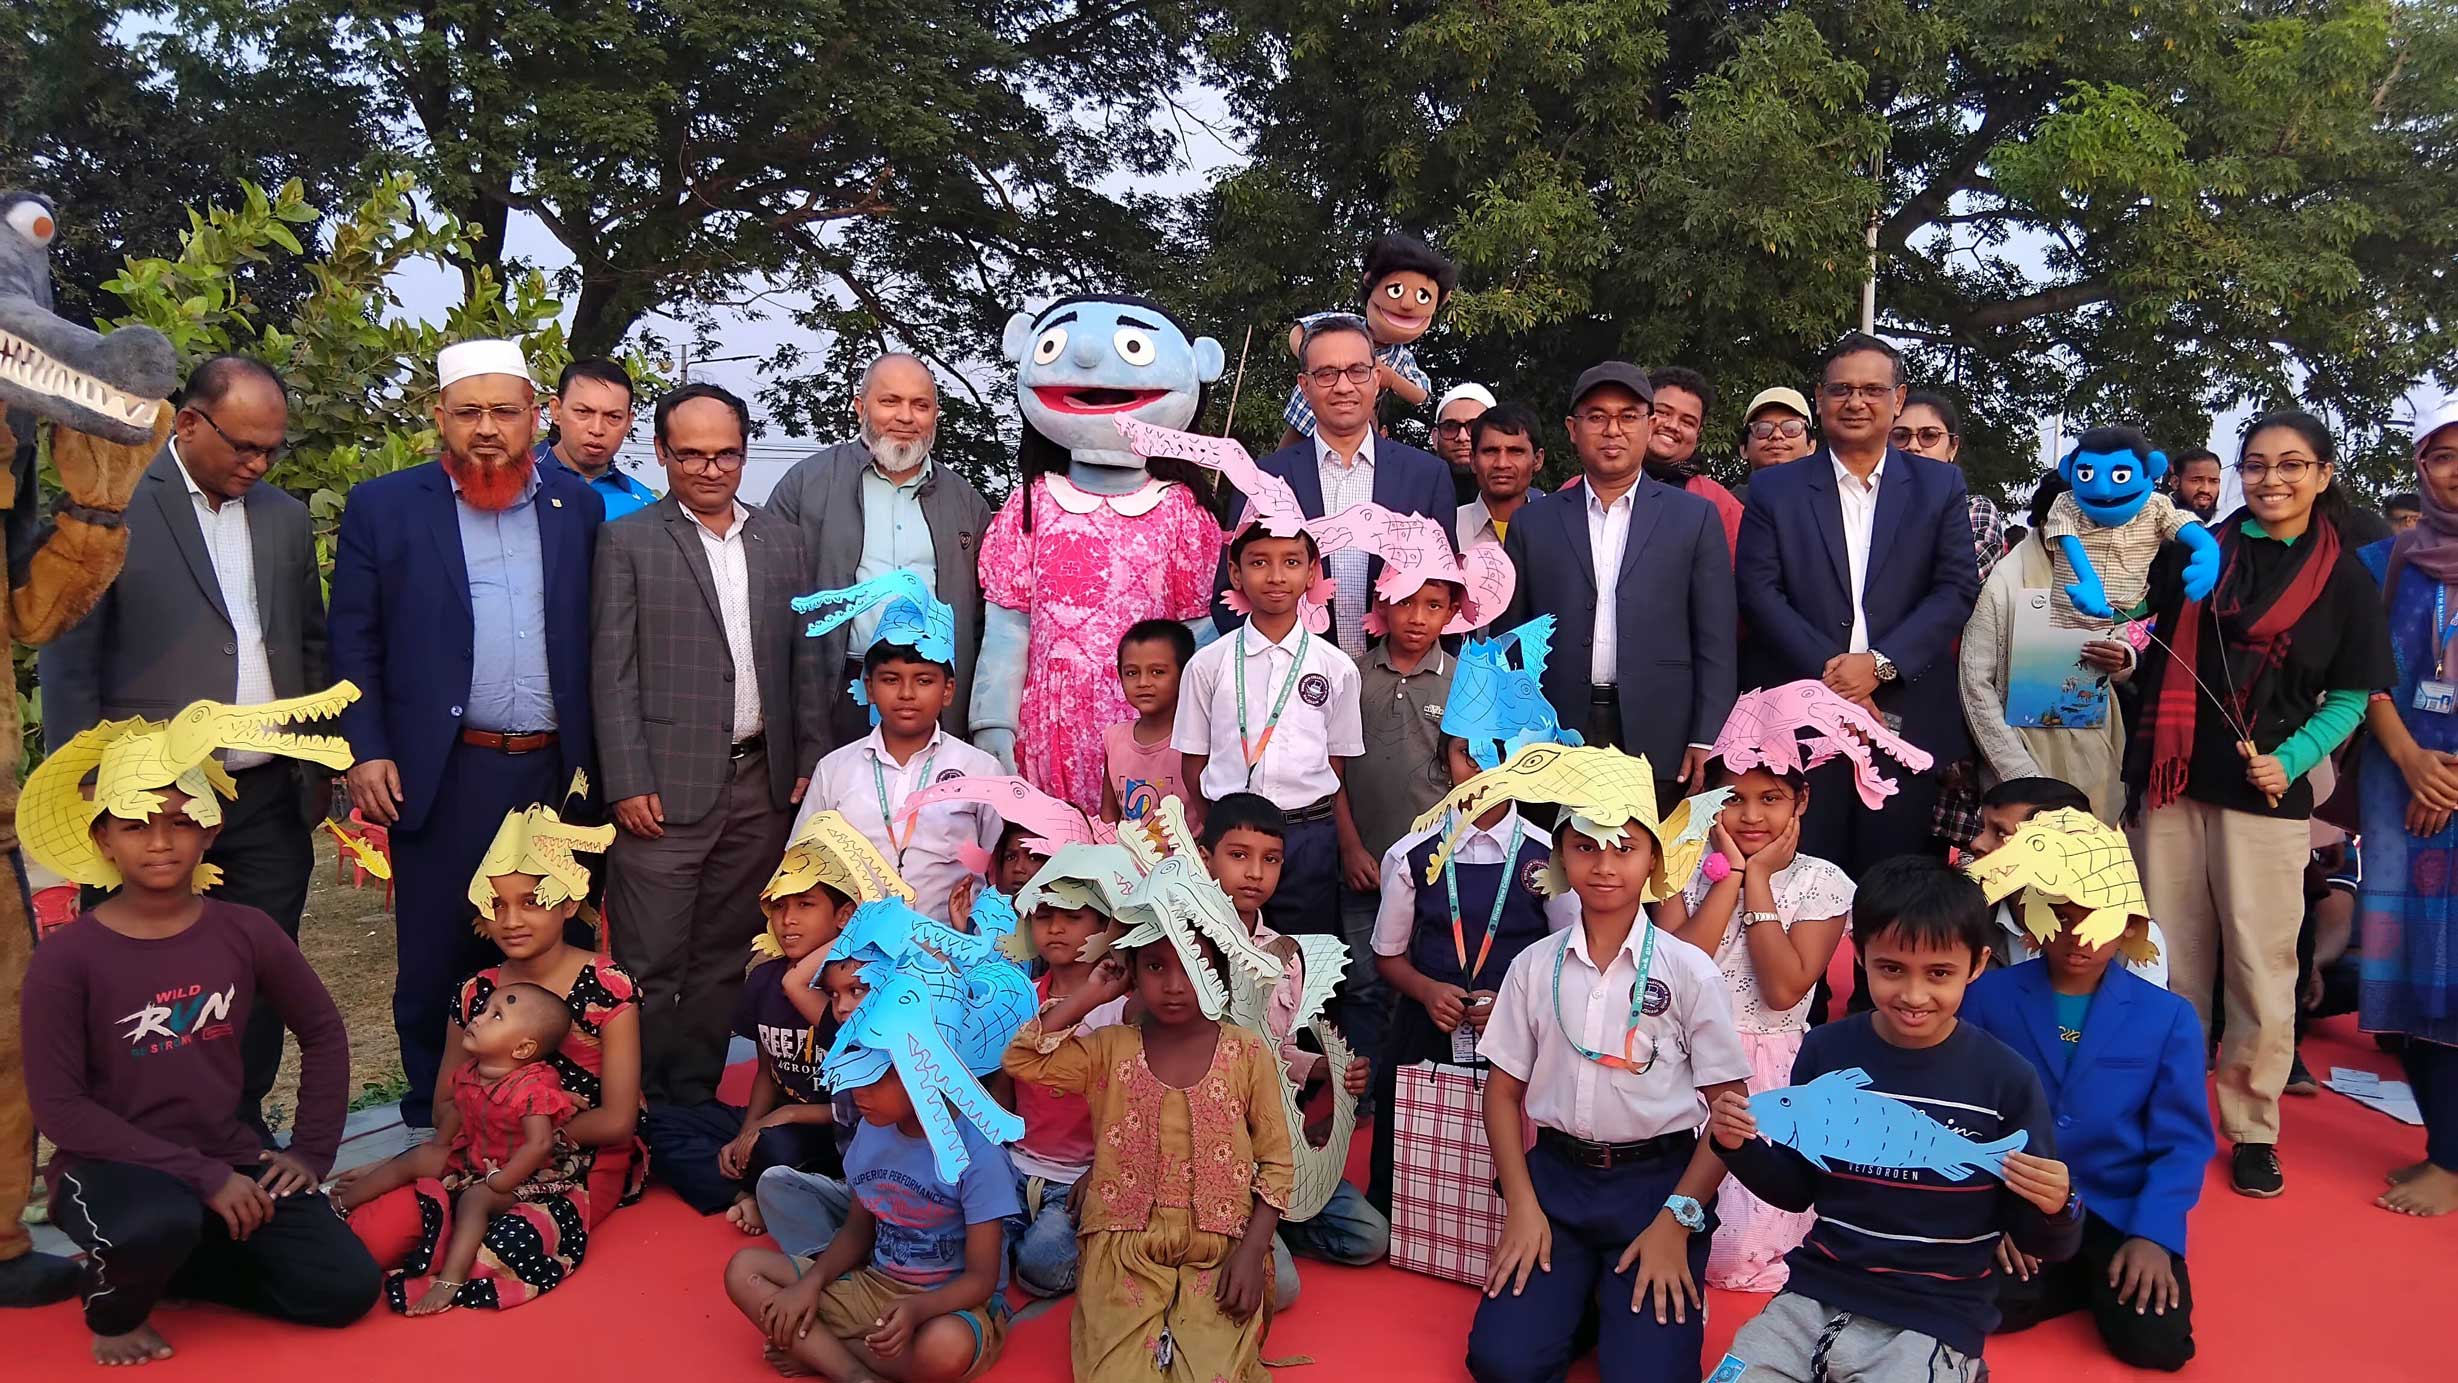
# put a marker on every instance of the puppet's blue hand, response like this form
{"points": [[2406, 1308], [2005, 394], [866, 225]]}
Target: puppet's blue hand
{"points": [[2089, 598], [2202, 567]]}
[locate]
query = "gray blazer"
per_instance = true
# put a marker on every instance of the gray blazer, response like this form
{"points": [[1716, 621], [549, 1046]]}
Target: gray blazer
{"points": [[161, 637], [822, 495], [661, 676]]}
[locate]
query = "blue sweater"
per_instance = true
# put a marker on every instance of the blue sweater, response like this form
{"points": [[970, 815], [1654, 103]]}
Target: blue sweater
{"points": [[1913, 1249]]}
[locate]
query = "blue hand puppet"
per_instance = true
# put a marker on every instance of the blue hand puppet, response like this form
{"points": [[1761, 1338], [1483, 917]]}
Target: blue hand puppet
{"points": [[913, 618], [1834, 1118], [2114, 475], [1500, 709]]}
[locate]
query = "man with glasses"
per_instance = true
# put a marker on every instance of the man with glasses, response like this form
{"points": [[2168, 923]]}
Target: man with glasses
{"points": [[710, 709], [1775, 429], [219, 600], [1856, 569], [591, 409], [461, 609], [1637, 578], [1455, 417]]}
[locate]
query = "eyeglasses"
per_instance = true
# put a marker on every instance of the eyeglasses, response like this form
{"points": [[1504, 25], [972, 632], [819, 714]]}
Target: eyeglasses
{"points": [[1792, 428], [707, 462], [270, 454], [1868, 393], [503, 415], [1325, 376], [2287, 471], [1926, 436], [1620, 420], [1453, 427]]}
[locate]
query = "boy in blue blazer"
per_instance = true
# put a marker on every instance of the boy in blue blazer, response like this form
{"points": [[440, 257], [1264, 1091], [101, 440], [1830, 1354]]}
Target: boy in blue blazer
{"points": [[2121, 1061]]}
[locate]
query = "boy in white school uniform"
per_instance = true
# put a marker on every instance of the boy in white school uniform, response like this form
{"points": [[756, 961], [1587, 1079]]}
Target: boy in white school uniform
{"points": [[1271, 709]]}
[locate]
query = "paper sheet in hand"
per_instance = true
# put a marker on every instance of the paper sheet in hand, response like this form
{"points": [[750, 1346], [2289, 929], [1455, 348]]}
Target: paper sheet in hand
{"points": [[2392, 1097], [2047, 686]]}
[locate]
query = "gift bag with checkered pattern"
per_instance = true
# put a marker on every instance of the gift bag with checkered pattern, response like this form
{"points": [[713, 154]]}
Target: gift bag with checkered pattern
{"points": [[1446, 1216]]}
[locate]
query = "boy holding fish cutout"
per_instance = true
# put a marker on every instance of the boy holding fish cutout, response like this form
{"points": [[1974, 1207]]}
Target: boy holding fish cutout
{"points": [[1894, 1123]]}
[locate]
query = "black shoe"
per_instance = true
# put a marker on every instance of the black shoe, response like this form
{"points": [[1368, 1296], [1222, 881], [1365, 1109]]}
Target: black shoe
{"points": [[2254, 1170], [2299, 1080], [37, 1279]]}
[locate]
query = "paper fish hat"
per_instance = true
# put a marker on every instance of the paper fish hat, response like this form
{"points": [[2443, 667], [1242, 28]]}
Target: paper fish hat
{"points": [[909, 617], [1800, 725], [827, 850], [1604, 791], [942, 1007], [540, 843], [1500, 709], [2071, 856], [132, 760]]}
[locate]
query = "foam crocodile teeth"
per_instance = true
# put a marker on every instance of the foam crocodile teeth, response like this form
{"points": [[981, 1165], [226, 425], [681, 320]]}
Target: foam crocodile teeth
{"points": [[28, 367]]}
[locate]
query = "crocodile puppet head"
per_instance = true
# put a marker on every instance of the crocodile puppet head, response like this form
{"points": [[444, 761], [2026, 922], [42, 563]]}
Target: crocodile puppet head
{"points": [[132, 760], [103, 386]]}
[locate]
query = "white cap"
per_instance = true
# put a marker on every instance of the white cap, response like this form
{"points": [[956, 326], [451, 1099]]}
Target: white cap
{"points": [[1457, 392], [2427, 424], [461, 360]]}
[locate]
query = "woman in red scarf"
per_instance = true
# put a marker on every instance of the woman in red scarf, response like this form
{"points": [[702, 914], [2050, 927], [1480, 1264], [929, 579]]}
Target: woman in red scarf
{"points": [[2245, 691]]}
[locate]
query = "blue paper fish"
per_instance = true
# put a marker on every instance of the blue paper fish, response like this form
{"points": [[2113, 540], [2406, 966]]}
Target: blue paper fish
{"points": [[1831, 1118], [1500, 709]]}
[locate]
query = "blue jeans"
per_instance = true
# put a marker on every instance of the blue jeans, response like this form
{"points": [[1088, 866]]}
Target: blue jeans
{"points": [[804, 1210], [1346, 1230], [1045, 1251]]}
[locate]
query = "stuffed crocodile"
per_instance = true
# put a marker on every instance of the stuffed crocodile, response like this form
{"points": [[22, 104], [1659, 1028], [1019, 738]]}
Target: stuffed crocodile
{"points": [[103, 396]]}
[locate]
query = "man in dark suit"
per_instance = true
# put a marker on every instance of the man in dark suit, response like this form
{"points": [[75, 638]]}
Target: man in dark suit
{"points": [[1343, 464], [1856, 568], [1635, 574], [709, 710], [461, 609], [220, 600]]}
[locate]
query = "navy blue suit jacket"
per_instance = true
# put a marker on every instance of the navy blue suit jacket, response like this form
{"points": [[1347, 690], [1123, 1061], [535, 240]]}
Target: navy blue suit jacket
{"points": [[1674, 627], [1795, 582], [1406, 481], [2132, 1108], [400, 623]]}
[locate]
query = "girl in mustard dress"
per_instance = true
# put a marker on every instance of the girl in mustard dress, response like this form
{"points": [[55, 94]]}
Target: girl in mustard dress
{"points": [[1191, 1169]]}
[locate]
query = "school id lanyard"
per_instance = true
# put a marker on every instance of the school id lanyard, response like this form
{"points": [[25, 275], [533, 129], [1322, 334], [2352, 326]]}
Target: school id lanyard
{"points": [[1638, 995], [2442, 627], [1253, 749], [1502, 894], [887, 817]]}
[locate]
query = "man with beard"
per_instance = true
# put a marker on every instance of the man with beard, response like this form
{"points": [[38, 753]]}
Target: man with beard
{"points": [[460, 607], [1683, 397], [2199, 479], [879, 503], [591, 409], [1455, 418]]}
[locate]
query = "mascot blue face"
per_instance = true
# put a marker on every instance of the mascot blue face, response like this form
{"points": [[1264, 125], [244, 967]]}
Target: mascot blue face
{"points": [[1084, 363], [2112, 486]]}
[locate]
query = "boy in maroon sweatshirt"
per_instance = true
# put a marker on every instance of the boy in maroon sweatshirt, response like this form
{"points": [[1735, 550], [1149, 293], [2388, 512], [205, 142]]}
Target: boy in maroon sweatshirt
{"points": [[132, 1020]]}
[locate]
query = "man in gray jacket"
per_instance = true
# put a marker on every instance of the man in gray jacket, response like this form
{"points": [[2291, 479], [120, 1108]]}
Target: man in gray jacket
{"points": [[879, 503]]}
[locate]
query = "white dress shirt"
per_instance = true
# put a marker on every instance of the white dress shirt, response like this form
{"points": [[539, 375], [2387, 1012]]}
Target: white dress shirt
{"points": [[1320, 722], [731, 570], [929, 854], [229, 545], [1692, 1037], [1860, 521], [1395, 920], [1608, 532], [1345, 485]]}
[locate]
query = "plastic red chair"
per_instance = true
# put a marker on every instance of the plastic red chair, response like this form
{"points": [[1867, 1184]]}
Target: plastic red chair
{"points": [[54, 907], [347, 864]]}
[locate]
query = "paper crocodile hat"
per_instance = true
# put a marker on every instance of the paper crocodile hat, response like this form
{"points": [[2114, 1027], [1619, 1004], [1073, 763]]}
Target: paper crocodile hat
{"points": [[2071, 856], [132, 760], [1500, 709], [909, 617], [1053, 824], [942, 1007], [1801, 725], [1604, 791], [538, 842], [1269, 502], [827, 850], [1414, 550]]}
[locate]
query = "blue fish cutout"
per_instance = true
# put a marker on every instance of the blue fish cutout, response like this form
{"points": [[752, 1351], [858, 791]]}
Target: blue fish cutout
{"points": [[1500, 709], [913, 617], [1831, 1118]]}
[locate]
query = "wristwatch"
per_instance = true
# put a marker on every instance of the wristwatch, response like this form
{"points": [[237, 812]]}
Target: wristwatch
{"points": [[1688, 1212], [1752, 919], [1886, 665]]}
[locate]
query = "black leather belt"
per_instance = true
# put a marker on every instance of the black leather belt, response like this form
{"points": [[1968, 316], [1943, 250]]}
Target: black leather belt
{"points": [[1605, 1156], [743, 748], [1606, 695]]}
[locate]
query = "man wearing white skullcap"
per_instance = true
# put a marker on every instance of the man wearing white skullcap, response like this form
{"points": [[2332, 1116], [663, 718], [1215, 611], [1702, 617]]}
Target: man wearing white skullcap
{"points": [[1454, 414], [460, 607]]}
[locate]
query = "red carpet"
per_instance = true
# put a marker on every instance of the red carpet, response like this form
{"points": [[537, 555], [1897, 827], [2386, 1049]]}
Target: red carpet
{"points": [[2317, 1284]]}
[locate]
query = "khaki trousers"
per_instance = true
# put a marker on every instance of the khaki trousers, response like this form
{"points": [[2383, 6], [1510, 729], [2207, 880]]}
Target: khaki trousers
{"points": [[2227, 887]]}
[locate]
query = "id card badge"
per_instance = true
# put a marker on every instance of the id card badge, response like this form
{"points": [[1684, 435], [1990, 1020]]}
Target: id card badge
{"points": [[1894, 723], [1464, 1044], [2436, 696]]}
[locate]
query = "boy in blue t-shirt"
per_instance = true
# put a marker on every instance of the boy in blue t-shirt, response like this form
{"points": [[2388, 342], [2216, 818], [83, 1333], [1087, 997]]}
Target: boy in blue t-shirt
{"points": [[1898, 1277]]}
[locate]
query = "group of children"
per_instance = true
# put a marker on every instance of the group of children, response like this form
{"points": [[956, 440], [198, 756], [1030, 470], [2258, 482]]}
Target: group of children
{"points": [[1001, 1047]]}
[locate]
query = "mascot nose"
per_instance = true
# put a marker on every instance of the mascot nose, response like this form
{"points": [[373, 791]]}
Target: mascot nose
{"points": [[1086, 351]]}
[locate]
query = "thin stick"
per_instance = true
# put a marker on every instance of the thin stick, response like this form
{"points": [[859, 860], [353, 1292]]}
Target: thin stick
{"points": [[2244, 735], [1237, 381]]}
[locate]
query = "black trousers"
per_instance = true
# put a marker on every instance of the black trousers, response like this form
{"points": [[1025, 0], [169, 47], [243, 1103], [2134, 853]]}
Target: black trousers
{"points": [[1307, 903], [146, 1235], [2144, 1340], [684, 1140]]}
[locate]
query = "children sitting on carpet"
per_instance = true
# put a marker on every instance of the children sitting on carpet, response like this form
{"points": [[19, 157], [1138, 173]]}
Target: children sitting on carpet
{"points": [[1056, 1151], [1139, 765], [132, 1015], [2121, 1060], [1895, 1280]]}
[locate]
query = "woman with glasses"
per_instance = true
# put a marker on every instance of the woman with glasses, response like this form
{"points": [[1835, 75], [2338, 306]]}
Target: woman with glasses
{"points": [[1931, 426], [2243, 692]]}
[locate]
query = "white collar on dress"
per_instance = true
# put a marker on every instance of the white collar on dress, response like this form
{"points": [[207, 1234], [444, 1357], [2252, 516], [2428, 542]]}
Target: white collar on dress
{"points": [[1134, 504]]}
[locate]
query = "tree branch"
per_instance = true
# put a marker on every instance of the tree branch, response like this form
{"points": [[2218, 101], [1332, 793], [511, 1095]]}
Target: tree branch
{"points": [[2046, 302], [1931, 201]]}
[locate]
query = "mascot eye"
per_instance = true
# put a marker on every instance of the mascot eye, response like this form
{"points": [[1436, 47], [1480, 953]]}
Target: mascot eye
{"points": [[1051, 343], [1425, 296], [2122, 475], [1394, 289], [2082, 475], [1135, 346], [31, 221]]}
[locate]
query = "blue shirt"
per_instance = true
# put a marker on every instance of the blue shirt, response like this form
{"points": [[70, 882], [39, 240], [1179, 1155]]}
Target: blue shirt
{"points": [[615, 486], [922, 1220], [895, 535], [509, 690], [2071, 1009]]}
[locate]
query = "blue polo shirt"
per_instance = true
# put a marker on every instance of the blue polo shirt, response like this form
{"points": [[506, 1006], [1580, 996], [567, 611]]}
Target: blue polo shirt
{"points": [[621, 493]]}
